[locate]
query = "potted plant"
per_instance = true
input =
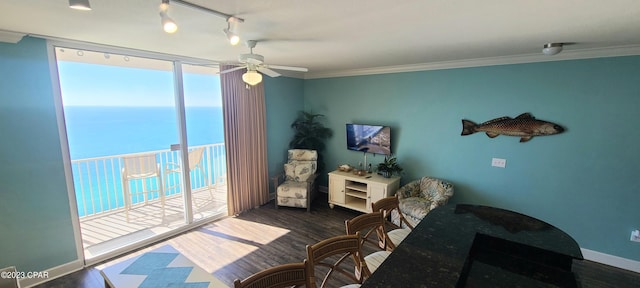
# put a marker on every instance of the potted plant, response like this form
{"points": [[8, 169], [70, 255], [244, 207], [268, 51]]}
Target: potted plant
{"points": [[310, 134], [389, 166]]}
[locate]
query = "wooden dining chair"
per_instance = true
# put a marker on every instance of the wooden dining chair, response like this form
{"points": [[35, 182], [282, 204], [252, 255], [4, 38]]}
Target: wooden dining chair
{"points": [[388, 206], [285, 275], [371, 228], [324, 252]]}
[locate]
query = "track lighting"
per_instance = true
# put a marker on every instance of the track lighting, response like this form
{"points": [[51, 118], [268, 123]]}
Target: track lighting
{"points": [[550, 49], [252, 77], [168, 24], [80, 5]]}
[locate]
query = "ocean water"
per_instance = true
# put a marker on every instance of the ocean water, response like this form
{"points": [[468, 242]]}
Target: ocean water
{"points": [[103, 131], [107, 131]]}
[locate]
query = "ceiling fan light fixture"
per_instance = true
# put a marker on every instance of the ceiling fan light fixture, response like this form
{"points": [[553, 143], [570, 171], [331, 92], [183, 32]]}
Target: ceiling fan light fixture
{"points": [[550, 49], [80, 5], [252, 77]]}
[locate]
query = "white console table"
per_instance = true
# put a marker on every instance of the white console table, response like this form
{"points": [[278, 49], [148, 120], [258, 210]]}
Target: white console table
{"points": [[358, 192]]}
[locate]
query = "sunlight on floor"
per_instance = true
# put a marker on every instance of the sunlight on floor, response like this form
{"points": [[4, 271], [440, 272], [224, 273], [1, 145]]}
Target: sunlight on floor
{"points": [[218, 245]]}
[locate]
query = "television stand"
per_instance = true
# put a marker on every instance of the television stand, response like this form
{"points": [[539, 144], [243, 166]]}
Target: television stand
{"points": [[358, 192]]}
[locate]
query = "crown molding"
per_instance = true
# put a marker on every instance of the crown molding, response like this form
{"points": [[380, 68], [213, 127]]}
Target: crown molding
{"points": [[491, 61], [10, 37]]}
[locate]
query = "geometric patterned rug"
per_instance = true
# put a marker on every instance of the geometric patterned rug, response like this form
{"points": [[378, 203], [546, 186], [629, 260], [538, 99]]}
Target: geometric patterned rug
{"points": [[154, 266]]}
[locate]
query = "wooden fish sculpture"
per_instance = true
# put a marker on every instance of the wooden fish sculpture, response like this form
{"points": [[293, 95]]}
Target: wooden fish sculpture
{"points": [[525, 126]]}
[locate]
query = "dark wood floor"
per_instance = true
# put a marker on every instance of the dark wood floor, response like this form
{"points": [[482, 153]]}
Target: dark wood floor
{"points": [[237, 247]]}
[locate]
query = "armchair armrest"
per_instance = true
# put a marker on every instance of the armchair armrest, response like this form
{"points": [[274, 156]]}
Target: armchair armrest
{"points": [[312, 178], [441, 194], [311, 182], [276, 180]]}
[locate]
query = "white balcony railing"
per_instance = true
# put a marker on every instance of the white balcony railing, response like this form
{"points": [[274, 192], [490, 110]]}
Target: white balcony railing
{"points": [[98, 183]]}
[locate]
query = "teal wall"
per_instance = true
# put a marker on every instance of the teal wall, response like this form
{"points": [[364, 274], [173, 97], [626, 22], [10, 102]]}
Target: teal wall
{"points": [[35, 224], [284, 99], [583, 181]]}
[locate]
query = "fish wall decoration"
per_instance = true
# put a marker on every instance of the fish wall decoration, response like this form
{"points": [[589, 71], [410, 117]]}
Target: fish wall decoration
{"points": [[524, 126]]}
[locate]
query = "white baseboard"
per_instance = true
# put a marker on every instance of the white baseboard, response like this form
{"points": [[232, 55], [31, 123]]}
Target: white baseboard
{"points": [[611, 260], [53, 273]]}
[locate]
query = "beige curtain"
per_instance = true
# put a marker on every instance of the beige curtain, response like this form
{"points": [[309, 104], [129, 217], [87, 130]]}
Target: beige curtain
{"points": [[246, 142]]}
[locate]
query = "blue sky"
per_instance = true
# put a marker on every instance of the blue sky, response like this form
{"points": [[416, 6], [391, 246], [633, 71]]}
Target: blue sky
{"points": [[86, 84]]}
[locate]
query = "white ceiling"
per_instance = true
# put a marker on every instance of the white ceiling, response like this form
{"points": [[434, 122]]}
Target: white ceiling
{"points": [[348, 37]]}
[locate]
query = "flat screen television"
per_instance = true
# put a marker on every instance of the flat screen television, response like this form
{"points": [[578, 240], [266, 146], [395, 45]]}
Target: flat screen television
{"points": [[369, 138]]}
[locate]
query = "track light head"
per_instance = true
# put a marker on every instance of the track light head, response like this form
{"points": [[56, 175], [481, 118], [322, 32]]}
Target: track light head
{"points": [[168, 24], [231, 30], [550, 49], [233, 38], [80, 5]]}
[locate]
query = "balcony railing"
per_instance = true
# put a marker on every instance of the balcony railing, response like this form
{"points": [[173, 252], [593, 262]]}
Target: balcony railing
{"points": [[99, 187]]}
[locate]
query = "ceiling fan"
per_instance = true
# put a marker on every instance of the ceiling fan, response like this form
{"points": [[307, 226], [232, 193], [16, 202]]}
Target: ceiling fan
{"points": [[254, 63]]}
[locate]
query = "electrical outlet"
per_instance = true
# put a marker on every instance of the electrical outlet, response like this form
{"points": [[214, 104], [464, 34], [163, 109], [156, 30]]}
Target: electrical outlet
{"points": [[498, 162], [635, 236]]}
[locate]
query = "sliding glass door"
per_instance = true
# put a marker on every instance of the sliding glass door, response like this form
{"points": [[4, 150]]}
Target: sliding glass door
{"points": [[126, 119]]}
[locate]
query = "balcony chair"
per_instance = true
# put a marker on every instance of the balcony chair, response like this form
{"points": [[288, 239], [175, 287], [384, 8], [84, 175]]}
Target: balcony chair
{"points": [[418, 197], [324, 252], [299, 187], [141, 168], [396, 234], [281, 276], [370, 226], [195, 163]]}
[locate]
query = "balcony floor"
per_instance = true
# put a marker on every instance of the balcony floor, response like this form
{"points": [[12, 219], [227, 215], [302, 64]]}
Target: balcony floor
{"points": [[109, 231]]}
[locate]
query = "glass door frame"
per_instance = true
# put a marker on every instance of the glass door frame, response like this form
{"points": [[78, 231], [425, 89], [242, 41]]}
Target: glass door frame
{"points": [[177, 61], [184, 146]]}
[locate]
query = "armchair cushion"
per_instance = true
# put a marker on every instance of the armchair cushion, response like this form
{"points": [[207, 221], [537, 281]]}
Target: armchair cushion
{"points": [[303, 155], [298, 172], [293, 189], [419, 197], [414, 208]]}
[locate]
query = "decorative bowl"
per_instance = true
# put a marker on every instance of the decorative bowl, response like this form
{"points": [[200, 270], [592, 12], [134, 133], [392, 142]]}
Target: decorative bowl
{"points": [[345, 168]]}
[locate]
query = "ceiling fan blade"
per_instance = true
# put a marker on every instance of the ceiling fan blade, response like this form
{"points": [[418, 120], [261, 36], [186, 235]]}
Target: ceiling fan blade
{"points": [[268, 71], [232, 69], [291, 68]]}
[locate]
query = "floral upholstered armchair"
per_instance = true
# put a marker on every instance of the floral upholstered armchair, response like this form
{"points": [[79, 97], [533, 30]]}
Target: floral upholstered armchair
{"points": [[299, 187], [420, 196]]}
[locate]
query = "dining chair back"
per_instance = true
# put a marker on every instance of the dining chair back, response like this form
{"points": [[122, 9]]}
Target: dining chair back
{"points": [[324, 252], [396, 233], [372, 231], [281, 276]]}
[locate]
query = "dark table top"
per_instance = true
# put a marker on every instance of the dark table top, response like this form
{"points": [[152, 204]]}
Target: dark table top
{"points": [[435, 252]]}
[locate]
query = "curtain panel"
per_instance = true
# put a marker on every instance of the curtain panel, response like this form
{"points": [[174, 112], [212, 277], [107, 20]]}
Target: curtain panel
{"points": [[245, 137]]}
